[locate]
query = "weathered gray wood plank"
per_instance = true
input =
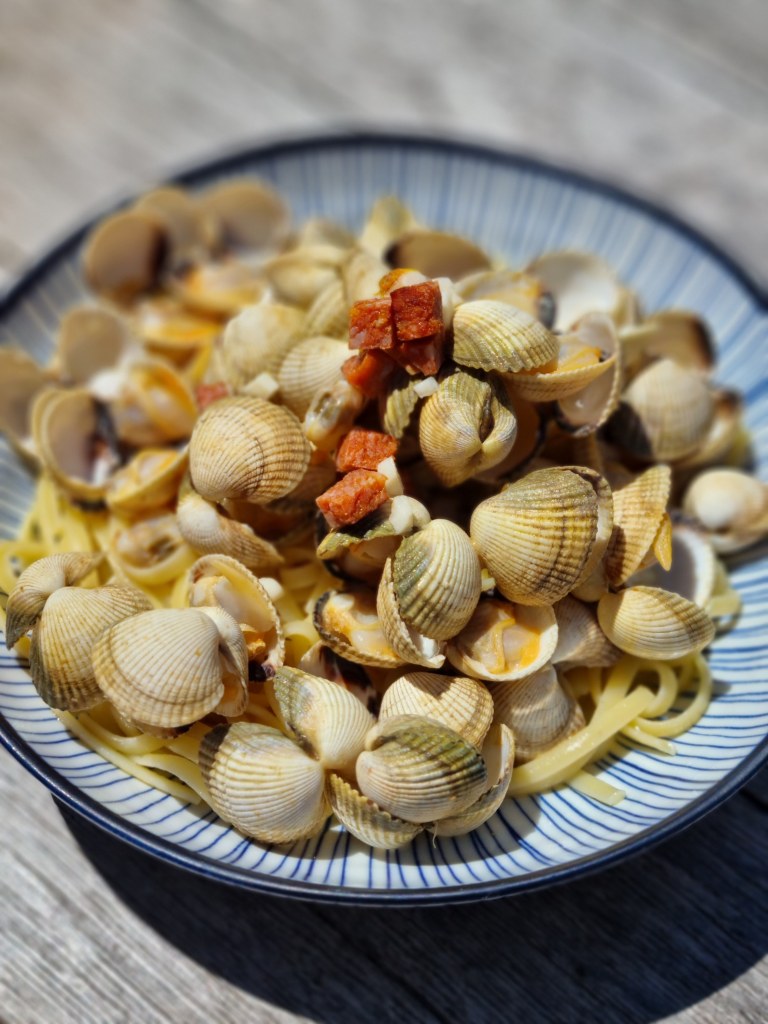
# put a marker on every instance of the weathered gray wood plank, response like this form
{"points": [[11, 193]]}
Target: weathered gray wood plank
{"points": [[98, 97]]}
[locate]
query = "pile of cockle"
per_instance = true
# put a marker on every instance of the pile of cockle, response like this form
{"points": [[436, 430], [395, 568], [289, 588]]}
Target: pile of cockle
{"points": [[516, 472]]}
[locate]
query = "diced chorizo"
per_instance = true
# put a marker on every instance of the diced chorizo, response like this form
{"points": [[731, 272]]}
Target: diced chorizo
{"points": [[417, 312], [208, 393], [353, 497], [421, 356], [364, 449], [370, 324], [369, 371]]}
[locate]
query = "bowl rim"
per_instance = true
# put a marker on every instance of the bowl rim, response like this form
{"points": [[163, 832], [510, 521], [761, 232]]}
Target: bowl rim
{"points": [[71, 796]]}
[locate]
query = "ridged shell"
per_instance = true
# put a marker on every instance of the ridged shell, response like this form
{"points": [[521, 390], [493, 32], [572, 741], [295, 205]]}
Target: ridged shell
{"points": [[328, 314], [580, 640], [150, 480], [398, 405], [36, 584], [323, 717], [218, 581], [150, 403], [124, 254], [261, 782], [461, 704], [665, 412], [410, 645], [209, 532], [669, 334], [539, 712], [732, 507], [167, 668], [529, 437], [725, 436], [300, 275], [420, 770], [191, 233], [436, 575], [490, 335], [250, 213], [388, 219], [652, 623], [541, 536], [584, 355], [320, 660], [310, 366], [638, 510], [347, 621], [21, 381], [258, 339], [365, 820], [171, 330], [90, 339], [503, 641], [466, 427], [244, 447], [586, 411], [322, 231], [62, 642], [436, 254], [693, 571], [68, 427], [332, 414], [511, 286], [499, 756], [218, 287], [579, 283]]}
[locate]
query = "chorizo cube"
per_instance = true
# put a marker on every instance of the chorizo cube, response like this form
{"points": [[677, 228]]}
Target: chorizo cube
{"points": [[364, 449], [370, 324], [369, 371], [353, 497], [417, 312]]}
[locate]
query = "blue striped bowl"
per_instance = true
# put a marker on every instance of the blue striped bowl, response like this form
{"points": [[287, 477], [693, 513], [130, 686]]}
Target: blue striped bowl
{"points": [[518, 207]]}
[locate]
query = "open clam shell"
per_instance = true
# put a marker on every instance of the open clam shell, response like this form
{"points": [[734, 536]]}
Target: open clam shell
{"points": [[151, 551], [407, 642], [466, 427], [670, 334], [652, 623], [92, 339], [579, 283], [436, 254], [420, 770], [489, 335], [504, 641], [218, 581], [249, 214], [310, 365], [208, 531], [149, 481], [388, 219], [514, 287], [538, 710], [693, 570], [300, 275], [21, 381], [323, 717], [150, 403], [218, 288], [191, 233], [580, 640], [167, 668], [499, 756], [36, 584], [62, 642], [263, 783], [588, 409], [246, 448], [542, 536], [322, 660], [125, 254], [365, 820], [462, 704], [348, 622], [639, 511]]}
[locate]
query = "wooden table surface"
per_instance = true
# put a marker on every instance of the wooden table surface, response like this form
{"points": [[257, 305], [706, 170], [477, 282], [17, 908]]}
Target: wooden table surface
{"points": [[102, 96]]}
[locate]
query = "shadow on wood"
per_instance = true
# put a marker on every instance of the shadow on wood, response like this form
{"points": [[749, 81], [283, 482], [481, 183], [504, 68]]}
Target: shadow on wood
{"points": [[632, 945]]}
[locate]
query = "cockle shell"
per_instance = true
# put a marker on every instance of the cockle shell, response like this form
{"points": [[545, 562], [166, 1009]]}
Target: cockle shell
{"points": [[300, 275], [398, 405], [693, 571], [407, 642], [328, 314], [309, 366], [36, 584], [588, 409], [125, 253], [436, 577], [263, 783], [388, 219], [541, 536], [62, 641], [499, 756], [150, 480], [244, 447], [490, 335], [208, 531], [151, 551], [665, 412], [580, 640], [21, 381], [218, 581], [466, 427], [669, 334], [579, 283], [91, 339], [639, 510], [462, 704], [652, 623], [436, 254], [731, 505], [191, 233], [538, 710], [258, 339], [347, 621], [332, 414], [249, 213], [218, 288], [149, 403], [323, 717], [420, 770], [167, 668], [322, 660], [365, 820], [511, 286], [503, 641]]}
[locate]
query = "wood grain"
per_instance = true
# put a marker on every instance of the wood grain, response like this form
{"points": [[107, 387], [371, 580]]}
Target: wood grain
{"points": [[99, 97]]}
